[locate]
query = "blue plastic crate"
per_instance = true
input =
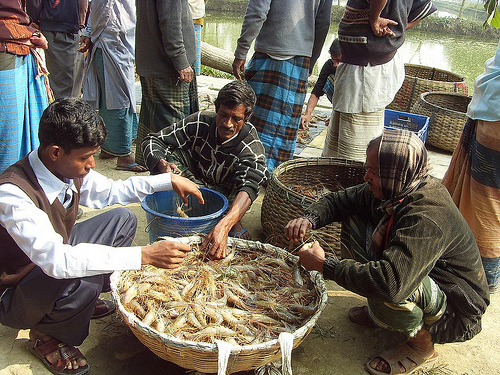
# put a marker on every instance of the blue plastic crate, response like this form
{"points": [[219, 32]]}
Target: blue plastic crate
{"points": [[408, 121]]}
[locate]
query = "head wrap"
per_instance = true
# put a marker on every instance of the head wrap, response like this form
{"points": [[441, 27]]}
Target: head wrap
{"points": [[403, 166]]}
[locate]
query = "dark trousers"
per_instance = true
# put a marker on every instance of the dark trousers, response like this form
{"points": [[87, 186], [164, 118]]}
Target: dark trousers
{"points": [[62, 308]]}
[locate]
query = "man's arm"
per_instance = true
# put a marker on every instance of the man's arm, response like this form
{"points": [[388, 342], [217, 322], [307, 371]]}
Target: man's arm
{"points": [[170, 23], [32, 230], [216, 241], [255, 16], [379, 25], [157, 146], [321, 30]]}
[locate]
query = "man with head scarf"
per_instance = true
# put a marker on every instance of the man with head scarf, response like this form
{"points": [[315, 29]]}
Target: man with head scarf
{"points": [[414, 256]]}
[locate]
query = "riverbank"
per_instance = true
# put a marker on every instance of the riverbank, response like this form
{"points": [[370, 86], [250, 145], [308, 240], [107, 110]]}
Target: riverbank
{"points": [[434, 23]]}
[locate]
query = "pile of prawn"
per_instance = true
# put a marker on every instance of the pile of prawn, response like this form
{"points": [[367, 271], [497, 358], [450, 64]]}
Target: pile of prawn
{"points": [[247, 298]]}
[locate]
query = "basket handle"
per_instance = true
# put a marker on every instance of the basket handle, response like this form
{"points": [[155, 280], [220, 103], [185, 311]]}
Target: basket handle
{"points": [[146, 229]]}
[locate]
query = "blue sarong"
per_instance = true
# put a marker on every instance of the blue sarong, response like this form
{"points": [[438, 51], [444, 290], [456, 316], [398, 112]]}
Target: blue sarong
{"points": [[280, 86], [23, 98], [197, 39], [121, 124]]}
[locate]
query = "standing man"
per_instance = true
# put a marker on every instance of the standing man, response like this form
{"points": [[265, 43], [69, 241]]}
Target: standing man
{"points": [[289, 36], [24, 86], [370, 72], [165, 57], [53, 270], [60, 22], [110, 79]]}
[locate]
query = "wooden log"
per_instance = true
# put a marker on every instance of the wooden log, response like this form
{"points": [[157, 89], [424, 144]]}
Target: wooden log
{"points": [[217, 58]]}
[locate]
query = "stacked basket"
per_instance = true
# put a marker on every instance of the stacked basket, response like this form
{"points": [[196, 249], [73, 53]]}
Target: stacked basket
{"points": [[447, 113], [282, 202], [420, 79]]}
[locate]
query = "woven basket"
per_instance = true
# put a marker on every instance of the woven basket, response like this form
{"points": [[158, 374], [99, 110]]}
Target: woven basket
{"points": [[203, 357], [281, 203], [448, 113], [420, 79]]}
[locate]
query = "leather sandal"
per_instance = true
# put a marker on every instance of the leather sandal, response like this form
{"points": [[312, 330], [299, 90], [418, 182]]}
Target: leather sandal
{"points": [[67, 354], [102, 308], [404, 357]]}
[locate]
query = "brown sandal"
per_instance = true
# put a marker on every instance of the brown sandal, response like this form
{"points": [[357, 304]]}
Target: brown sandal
{"points": [[102, 308], [67, 354]]}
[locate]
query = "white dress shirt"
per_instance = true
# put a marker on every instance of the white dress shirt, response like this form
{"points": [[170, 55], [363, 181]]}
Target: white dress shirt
{"points": [[32, 230]]}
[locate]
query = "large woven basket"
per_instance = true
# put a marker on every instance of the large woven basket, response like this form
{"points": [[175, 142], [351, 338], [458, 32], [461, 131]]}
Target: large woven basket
{"points": [[203, 357], [448, 114], [420, 79], [282, 202]]}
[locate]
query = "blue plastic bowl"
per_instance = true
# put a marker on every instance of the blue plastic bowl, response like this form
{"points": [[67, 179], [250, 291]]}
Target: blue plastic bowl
{"points": [[163, 219]]}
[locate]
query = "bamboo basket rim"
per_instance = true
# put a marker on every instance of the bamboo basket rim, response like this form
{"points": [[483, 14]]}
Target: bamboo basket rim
{"points": [[305, 162], [462, 78], [134, 322], [424, 95]]}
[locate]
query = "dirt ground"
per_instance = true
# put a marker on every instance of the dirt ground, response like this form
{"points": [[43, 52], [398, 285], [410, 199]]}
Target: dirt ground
{"points": [[335, 345]]}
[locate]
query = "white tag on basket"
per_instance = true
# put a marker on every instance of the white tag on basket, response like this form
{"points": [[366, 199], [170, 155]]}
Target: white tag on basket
{"points": [[286, 345], [224, 349]]}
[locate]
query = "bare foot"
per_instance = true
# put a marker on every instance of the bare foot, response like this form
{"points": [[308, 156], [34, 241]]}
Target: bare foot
{"points": [[128, 163], [104, 155], [419, 349]]}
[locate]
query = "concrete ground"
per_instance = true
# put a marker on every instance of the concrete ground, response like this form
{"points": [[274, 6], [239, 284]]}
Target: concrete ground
{"points": [[335, 346]]}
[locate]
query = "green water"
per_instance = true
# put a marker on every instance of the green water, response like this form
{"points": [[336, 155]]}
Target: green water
{"points": [[461, 55]]}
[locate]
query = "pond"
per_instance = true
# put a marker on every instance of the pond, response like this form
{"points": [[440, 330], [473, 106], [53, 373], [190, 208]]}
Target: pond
{"points": [[462, 55]]}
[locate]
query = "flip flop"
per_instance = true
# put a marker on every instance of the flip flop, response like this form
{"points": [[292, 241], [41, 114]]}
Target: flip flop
{"points": [[403, 355], [130, 168], [68, 353], [239, 234]]}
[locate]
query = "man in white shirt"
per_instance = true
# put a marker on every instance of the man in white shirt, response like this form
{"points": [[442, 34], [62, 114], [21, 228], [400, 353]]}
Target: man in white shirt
{"points": [[51, 269]]}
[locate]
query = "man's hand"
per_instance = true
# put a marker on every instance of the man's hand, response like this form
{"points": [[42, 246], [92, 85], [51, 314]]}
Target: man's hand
{"points": [[39, 41], [296, 229], [164, 166], [239, 68], [216, 242], [304, 121], [186, 74], [312, 256], [380, 26], [164, 254], [85, 44], [184, 187]]}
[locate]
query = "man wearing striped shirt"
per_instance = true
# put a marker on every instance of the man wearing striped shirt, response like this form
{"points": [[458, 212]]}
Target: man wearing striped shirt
{"points": [[220, 150]]}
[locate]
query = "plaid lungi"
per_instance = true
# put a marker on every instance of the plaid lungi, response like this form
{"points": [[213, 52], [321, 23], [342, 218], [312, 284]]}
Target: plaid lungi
{"points": [[280, 86], [23, 98], [165, 101]]}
